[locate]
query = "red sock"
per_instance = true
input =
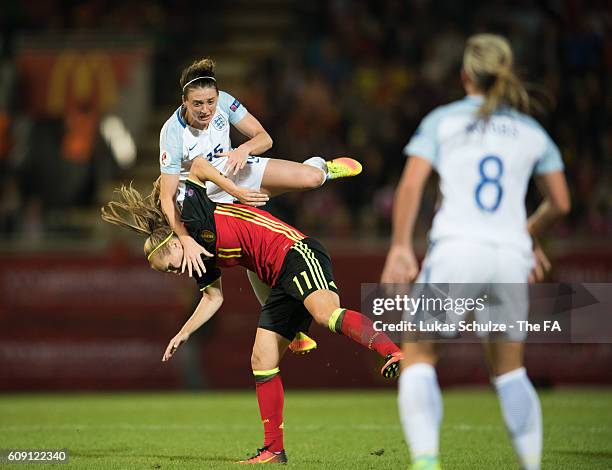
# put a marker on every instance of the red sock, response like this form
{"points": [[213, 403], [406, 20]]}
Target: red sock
{"points": [[359, 328], [271, 398]]}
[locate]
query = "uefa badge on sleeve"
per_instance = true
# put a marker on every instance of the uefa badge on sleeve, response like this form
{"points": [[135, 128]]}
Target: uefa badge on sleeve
{"points": [[163, 159]]}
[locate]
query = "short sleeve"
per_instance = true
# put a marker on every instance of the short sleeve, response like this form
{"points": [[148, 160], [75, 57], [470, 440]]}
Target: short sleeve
{"points": [[550, 160], [210, 276], [170, 149], [424, 142], [230, 105]]}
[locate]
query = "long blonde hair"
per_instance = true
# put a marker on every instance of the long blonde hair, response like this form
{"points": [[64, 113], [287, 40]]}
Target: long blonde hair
{"points": [[140, 214], [488, 62]]}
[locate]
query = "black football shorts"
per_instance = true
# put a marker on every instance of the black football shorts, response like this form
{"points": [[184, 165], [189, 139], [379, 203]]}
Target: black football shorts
{"points": [[306, 269]]}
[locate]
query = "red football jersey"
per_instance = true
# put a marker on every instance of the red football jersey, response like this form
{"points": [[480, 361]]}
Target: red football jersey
{"points": [[253, 238]]}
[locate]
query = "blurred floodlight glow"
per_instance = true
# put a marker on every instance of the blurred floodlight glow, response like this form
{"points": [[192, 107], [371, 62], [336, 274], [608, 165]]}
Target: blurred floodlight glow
{"points": [[120, 141]]}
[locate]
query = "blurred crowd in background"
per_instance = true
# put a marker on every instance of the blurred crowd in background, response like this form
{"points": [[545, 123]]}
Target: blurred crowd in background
{"points": [[362, 85], [348, 78]]}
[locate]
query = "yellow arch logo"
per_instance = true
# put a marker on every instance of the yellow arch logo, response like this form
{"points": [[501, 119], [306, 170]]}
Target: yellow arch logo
{"points": [[87, 71]]}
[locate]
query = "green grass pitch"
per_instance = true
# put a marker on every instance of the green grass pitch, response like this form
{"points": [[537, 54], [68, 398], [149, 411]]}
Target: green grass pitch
{"points": [[323, 430]]}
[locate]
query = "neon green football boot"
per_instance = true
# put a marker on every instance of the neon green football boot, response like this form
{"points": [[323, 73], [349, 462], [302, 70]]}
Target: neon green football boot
{"points": [[302, 344], [343, 167]]}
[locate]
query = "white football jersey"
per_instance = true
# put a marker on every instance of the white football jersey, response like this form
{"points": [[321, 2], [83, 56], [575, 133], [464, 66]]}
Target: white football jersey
{"points": [[180, 143], [484, 169]]}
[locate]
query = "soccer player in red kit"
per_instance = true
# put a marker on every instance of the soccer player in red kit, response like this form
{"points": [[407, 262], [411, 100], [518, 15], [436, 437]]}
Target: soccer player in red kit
{"points": [[296, 266]]}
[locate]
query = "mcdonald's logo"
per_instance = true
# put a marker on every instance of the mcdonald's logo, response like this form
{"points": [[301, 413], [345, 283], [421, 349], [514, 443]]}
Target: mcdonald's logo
{"points": [[76, 76]]}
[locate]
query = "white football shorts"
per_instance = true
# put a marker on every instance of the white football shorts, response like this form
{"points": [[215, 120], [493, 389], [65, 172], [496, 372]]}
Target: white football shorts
{"points": [[249, 177], [474, 269]]}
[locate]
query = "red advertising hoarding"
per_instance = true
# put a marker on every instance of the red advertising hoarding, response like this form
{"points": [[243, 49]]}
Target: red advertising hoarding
{"points": [[102, 322]]}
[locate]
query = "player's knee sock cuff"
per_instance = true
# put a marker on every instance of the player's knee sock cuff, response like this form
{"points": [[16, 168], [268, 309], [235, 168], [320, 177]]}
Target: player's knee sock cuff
{"points": [[509, 376], [262, 376], [421, 369], [335, 321]]}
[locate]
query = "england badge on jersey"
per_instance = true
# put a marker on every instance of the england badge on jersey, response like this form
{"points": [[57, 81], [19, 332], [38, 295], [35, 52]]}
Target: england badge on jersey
{"points": [[219, 123]]}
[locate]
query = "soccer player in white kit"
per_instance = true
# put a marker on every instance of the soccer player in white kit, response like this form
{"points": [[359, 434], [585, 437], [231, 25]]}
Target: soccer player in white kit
{"points": [[200, 128], [485, 149]]}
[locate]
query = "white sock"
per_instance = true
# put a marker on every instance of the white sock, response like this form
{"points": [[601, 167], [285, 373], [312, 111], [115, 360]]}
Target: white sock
{"points": [[523, 416], [420, 406], [317, 162]]}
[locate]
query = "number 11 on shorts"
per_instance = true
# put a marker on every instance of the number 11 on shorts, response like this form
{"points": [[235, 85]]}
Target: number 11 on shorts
{"points": [[299, 286]]}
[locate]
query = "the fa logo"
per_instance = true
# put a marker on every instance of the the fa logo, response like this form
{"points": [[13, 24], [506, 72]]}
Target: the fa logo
{"points": [[219, 123], [190, 192]]}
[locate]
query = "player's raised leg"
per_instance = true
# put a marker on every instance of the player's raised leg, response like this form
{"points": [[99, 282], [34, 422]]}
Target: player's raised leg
{"points": [[324, 306], [283, 176], [420, 404], [518, 399], [268, 350]]}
